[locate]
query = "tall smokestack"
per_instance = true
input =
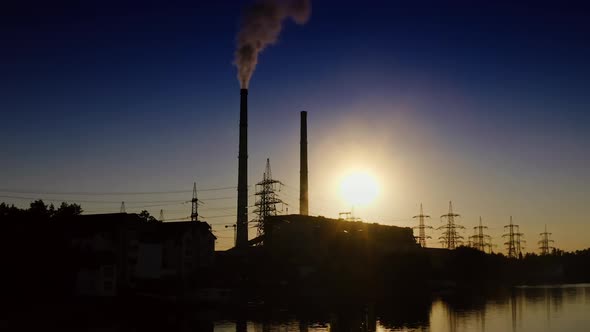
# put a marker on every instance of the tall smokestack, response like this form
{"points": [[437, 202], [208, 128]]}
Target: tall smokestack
{"points": [[242, 221], [303, 195]]}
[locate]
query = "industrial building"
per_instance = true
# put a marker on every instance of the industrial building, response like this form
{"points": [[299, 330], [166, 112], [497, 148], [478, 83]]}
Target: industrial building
{"points": [[312, 236], [120, 252]]}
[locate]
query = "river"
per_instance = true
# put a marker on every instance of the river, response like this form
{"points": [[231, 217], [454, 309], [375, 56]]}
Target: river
{"points": [[564, 308]]}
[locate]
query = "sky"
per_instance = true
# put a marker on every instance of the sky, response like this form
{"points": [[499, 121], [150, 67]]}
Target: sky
{"points": [[485, 105]]}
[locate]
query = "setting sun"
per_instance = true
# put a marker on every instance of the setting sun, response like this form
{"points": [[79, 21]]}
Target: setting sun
{"points": [[359, 188]]}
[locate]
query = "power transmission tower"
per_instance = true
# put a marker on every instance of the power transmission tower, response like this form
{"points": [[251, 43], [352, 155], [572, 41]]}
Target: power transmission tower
{"points": [[545, 243], [161, 215], [513, 246], [266, 198], [122, 210], [480, 240], [194, 204], [348, 216], [422, 228], [450, 238]]}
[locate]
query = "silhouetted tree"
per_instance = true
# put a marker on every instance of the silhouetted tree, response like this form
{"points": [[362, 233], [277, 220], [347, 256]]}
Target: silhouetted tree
{"points": [[68, 210], [10, 211], [39, 210], [147, 217]]}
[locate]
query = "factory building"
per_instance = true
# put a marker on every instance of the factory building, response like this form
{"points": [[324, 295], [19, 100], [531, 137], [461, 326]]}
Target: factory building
{"points": [[312, 236]]}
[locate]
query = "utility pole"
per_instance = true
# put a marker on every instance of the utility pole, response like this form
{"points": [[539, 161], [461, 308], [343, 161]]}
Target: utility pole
{"points": [[450, 238], [234, 227], [161, 215], [266, 198], [122, 210], [480, 240], [545, 243], [422, 228], [194, 204], [513, 246]]}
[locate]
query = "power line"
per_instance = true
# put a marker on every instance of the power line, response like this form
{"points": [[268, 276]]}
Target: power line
{"points": [[114, 202], [85, 200], [226, 215], [113, 193], [155, 205], [222, 224]]}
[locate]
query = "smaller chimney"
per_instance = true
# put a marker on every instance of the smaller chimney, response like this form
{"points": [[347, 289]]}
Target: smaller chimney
{"points": [[303, 194]]}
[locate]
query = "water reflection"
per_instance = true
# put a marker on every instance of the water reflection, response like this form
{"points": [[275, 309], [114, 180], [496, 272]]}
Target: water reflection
{"points": [[525, 309]]}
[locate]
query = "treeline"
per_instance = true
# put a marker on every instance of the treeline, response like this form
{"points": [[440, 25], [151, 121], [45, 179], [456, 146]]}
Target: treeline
{"points": [[35, 252], [470, 266], [39, 212], [347, 272]]}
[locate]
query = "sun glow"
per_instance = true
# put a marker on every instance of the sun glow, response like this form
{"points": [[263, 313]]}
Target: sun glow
{"points": [[359, 188]]}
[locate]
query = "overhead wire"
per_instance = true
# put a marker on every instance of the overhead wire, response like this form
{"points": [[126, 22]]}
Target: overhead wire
{"points": [[112, 193]]}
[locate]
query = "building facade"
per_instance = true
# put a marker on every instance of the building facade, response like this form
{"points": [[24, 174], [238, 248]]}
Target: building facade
{"points": [[122, 253]]}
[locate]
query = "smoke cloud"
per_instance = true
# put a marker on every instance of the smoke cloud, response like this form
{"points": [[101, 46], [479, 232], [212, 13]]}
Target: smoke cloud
{"points": [[261, 26]]}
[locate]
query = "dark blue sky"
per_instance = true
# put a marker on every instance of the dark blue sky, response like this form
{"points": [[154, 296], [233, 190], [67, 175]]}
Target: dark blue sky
{"points": [[132, 96]]}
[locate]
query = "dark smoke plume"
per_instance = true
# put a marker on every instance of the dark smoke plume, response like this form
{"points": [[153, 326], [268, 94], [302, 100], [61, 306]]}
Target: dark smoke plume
{"points": [[261, 26]]}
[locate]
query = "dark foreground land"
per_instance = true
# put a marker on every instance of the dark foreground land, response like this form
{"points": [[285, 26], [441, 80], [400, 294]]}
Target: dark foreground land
{"points": [[300, 260]]}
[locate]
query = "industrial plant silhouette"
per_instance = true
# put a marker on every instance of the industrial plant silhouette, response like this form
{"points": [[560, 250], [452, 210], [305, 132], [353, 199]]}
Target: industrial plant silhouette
{"points": [[69, 267]]}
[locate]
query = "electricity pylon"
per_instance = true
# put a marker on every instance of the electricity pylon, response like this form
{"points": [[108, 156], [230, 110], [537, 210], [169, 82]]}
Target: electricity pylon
{"points": [[422, 228], [480, 240], [348, 216], [545, 243], [161, 214], [450, 238], [514, 245], [266, 198]]}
